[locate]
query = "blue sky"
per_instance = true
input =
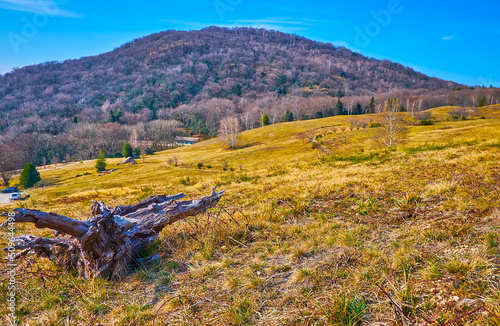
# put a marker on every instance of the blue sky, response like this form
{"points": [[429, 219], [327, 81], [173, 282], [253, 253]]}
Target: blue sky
{"points": [[456, 40]]}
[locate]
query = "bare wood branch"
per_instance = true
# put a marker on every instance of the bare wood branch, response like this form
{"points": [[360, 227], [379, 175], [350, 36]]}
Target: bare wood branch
{"points": [[109, 243], [52, 221]]}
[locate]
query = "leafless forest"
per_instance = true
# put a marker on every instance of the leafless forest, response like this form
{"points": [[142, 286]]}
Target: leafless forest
{"points": [[170, 83]]}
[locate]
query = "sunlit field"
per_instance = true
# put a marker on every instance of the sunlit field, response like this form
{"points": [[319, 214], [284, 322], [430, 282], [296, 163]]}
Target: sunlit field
{"points": [[339, 231]]}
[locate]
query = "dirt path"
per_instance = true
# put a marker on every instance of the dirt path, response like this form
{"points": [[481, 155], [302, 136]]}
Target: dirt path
{"points": [[4, 198]]}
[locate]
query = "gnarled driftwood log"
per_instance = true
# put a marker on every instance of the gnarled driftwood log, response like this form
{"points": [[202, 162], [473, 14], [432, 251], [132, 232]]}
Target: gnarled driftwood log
{"points": [[107, 245]]}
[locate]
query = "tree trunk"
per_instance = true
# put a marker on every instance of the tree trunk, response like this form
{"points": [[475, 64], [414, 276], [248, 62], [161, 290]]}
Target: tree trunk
{"points": [[5, 179], [108, 244]]}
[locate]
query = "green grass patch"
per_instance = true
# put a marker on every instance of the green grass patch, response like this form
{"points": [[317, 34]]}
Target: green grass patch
{"points": [[434, 147], [346, 311]]}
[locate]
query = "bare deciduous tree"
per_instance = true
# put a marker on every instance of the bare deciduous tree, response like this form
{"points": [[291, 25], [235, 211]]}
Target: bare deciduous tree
{"points": [[229, 131], [491, 99], [411, 109], [161, 132], [85, 137], [245, 119], [9, 160], [393, 127], [420, 104], [474, 101], [350, 106]]}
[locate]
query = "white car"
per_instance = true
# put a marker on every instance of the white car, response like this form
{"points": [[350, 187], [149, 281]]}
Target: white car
{"points": [[16, 196]]}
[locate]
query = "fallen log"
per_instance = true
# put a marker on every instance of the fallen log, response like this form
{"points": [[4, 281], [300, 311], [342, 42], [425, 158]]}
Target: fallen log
{"points": [[108, 244]]}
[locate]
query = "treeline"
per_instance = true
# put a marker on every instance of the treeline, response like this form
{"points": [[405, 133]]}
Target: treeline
{"points": [[45, 141]]}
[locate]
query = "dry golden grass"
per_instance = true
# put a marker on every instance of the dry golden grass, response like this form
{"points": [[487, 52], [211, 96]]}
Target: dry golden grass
{"points": [[301, 237]]}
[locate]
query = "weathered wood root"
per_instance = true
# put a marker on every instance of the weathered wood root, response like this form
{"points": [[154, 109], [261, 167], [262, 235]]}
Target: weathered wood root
{"points": [[108, 244]]}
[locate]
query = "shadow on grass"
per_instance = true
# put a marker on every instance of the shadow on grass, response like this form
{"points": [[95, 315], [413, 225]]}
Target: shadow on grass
{"points": [[247, 145]]}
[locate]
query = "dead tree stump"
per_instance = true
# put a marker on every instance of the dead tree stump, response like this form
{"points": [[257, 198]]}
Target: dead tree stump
{"points": [[108, 244]]}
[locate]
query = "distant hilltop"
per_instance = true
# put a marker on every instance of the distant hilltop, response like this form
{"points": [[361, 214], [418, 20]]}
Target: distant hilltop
{"points": [[168, 69]]}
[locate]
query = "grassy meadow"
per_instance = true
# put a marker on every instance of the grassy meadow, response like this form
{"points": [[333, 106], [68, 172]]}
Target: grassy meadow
{"points": [[347, 233]]}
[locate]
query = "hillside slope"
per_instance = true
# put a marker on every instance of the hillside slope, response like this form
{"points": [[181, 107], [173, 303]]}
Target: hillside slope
{"points": [[167, 69], [304, 237]]}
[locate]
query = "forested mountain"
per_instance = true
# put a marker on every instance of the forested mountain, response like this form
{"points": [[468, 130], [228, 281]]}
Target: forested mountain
{"points": [[167, 69]]}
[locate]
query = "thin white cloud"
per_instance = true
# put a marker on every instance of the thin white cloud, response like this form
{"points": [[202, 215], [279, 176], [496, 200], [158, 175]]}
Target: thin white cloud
{"points": [[448, 38], [279, 21], [47, 7]]}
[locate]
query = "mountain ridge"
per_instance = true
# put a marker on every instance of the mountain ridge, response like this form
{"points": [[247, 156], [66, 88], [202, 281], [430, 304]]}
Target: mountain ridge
{"points": [[167, 69]]}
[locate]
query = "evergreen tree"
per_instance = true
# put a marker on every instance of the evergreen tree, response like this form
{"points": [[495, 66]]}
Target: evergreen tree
{"points": [[111, 116], [340, 108], [289, 115], [118, 115], [372, 105], [127, 150], [392, 105], [137, 151], [265, 120], [100, 164], [358, 109], [75, 119], [482, 101], [29, 176]]}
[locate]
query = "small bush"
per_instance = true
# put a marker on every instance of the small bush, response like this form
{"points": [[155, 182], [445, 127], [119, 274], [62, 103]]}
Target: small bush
{"points": [[349, 311], [149, 151], [424, 116], [200, 165], [426, 122], [460, 114], [100, 164], [186, 181], [374, 125], [173, 161], [316, 145], [358, 124]]}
